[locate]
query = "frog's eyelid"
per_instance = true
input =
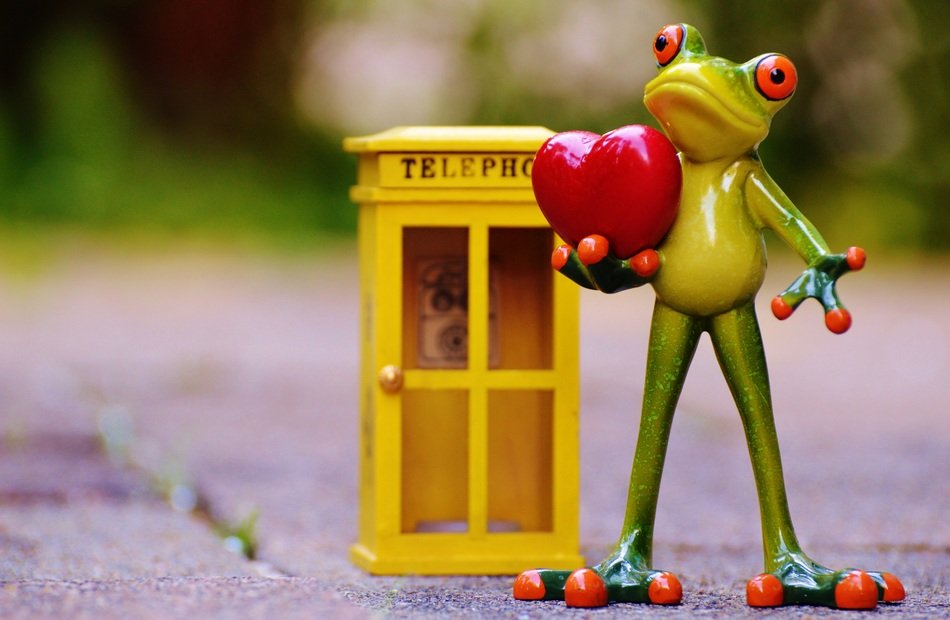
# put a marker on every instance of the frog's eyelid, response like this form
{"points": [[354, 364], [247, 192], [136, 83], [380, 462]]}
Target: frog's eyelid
{"points": [[693, 43]]}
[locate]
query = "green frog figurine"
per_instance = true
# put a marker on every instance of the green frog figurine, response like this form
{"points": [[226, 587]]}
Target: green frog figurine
{"points": [[706, 272]]}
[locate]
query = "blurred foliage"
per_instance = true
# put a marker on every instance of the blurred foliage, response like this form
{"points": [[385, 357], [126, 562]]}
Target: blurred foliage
{"points": [[111, 126], [225, 117]]}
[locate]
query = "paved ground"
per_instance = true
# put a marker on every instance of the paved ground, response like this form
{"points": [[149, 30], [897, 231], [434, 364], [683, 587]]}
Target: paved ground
{"points": [[238, 372]]}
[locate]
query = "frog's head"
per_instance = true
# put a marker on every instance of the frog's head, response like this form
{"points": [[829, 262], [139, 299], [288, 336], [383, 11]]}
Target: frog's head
{"points": [[710, 107]]}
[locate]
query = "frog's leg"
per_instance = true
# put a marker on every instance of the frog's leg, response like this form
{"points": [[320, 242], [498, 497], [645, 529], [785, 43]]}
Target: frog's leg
{"points": [[791, 578], [626, 574]]}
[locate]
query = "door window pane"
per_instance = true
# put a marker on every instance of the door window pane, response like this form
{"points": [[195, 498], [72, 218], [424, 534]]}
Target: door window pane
{"points": [[522, 282], [434, 461], [520, 460], [435, 297]]}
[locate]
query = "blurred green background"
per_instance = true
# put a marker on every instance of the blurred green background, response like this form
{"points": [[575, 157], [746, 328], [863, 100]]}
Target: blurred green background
{"points": [[222, 119]]}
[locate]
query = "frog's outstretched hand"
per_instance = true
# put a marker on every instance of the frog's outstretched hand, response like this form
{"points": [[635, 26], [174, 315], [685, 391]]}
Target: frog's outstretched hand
{"points": [[818, 281], [593, 266], [777, 212]]}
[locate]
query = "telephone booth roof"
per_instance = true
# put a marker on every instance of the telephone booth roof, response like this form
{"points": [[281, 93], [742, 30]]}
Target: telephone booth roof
{"points": [[451, 139]]}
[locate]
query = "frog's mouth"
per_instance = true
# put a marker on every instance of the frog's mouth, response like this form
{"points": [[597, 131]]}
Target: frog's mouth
{"points": [[697, 94], [692, 111]]}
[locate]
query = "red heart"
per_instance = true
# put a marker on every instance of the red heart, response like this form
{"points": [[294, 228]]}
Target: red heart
{"points": [[624, 185]]}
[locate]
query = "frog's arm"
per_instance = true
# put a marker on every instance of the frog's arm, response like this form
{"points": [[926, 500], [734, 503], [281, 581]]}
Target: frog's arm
{"points": [[775, 211], [592, 266]]}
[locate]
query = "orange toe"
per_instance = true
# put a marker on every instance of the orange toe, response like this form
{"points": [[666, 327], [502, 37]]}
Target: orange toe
{"points": [[856, 591], [585, 588], [529, 586], [894, 590], [856, 258], [838, 320], [645, 263], [592, 249], [560, 257], [665, 589], [780, 308], [764, 591]]}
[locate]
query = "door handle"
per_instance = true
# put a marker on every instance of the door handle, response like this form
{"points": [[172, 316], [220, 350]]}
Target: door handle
{"points": [[390, 378]]}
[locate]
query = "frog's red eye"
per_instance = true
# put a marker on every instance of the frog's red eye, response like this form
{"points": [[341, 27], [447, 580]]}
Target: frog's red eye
{"points": [[667, 44], [775, 77]]}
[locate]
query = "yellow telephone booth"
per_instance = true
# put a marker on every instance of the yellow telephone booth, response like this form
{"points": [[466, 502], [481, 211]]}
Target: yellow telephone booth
{"points": [[469, 388]]}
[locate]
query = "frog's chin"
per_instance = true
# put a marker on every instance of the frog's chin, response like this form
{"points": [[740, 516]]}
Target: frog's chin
{"points": [[701, 125]]}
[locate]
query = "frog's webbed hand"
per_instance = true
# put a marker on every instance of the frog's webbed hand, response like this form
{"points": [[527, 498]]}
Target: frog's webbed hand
{"points": [[818, 281], [593, 266]]}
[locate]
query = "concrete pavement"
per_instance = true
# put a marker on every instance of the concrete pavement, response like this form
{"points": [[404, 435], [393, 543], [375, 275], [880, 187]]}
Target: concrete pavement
{"points": [[239, 372]]}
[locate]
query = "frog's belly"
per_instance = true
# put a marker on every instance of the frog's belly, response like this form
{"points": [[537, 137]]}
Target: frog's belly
{"points": [[703, 275]]}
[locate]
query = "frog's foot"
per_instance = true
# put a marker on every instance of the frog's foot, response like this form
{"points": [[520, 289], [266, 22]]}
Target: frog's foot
{"points": [[806, 583], [588, 587]]}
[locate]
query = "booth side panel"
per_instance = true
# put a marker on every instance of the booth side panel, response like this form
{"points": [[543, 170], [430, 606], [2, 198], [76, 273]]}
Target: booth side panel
{"points": [[368, 406], [567, 411]]}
